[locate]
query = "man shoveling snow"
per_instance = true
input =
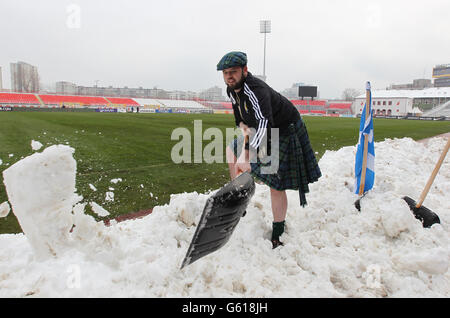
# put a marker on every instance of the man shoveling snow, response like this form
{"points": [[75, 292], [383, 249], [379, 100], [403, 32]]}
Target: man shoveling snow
{"points": [[256, 105]]}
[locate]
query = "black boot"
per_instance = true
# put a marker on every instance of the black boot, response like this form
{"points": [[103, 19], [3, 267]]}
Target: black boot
{"points": [[277, 230]]}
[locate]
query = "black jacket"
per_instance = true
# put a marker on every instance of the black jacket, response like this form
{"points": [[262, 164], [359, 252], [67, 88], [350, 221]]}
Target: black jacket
{"points": [[259, 106]]}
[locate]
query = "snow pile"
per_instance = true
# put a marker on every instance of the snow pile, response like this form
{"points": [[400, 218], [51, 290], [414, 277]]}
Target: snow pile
{"points": [[41, 190], [331, 249]]}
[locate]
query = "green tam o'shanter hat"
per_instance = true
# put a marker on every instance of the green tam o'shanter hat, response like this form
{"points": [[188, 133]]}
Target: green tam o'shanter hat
{"points": [[232, 59]]}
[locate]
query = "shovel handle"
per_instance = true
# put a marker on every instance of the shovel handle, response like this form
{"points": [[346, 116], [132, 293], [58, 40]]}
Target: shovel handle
{"points": [[433, 175]]}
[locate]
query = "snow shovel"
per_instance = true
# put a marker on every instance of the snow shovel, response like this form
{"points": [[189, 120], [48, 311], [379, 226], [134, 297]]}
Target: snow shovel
{"points": [[220, 216], [425, 215]]}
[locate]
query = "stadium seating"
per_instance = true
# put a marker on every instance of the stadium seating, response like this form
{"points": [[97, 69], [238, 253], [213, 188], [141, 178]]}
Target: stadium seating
{"points": [[321, 103], [17, 98], [227, 105], [445, 112], [122, 101], [299, 102], [148, 102], [178, 103], [441, 110], [74, 100], [339, 106], [310, 107], [307, 107], [209, 104], [216, 105]]}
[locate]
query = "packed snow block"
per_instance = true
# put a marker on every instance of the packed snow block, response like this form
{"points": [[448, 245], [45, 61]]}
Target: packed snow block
{"points": [[4, 209], [41, 190], [36, 145]]}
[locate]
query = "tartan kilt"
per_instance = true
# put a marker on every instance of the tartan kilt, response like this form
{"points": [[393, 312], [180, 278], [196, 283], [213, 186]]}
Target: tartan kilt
{"points": [[297, 164]]}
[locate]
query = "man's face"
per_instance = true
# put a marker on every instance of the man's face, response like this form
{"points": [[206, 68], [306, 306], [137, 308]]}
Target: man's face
{"points": [[234, 76]]}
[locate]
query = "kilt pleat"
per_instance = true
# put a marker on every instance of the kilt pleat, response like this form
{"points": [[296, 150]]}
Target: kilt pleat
{"points": [[297, 164]]}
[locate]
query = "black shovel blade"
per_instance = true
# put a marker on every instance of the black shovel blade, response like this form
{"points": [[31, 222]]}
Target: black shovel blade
{"points": [[220, 216], [425, 215]]}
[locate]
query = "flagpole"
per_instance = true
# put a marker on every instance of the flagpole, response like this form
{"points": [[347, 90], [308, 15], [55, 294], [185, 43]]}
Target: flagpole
{"points": [[366, 143]]}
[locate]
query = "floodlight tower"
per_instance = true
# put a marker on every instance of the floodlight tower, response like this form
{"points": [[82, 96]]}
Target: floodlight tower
{"points": [[265, 27]]}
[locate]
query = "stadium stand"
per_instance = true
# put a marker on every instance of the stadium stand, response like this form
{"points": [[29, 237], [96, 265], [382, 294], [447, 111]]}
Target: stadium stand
{"points": [[178, 103], [441, 110], [119, 101], [310, 107], [227, 105], [216, 105], [320, 103], [73, 100], [339, 108], [148, 103], [172, 105], [305, 107], [299, 102], [16, 99], [169, 103]]}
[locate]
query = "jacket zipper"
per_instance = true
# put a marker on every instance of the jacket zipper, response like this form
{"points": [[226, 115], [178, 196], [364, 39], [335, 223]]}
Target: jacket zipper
{"points": [[239, 106]]}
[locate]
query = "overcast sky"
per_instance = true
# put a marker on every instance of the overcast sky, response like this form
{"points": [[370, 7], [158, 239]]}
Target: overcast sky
{"points": [[175, 45]]}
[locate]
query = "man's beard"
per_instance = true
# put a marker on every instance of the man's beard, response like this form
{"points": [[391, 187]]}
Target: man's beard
{"points": [[239, 84]]}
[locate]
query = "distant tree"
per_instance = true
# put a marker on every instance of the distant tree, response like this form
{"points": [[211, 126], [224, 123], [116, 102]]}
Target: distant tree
{"points": [[349, 94]]}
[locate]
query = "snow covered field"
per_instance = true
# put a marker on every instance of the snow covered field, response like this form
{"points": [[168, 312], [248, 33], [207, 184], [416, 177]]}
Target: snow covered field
{"points": [[331, 249]]}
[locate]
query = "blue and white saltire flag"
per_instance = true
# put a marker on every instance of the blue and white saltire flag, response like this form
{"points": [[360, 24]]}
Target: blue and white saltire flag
{"points": [[365, 131]]}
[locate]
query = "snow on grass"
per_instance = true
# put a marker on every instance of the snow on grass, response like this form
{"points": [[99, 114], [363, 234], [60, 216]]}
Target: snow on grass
{"points": [[331, 249]]}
